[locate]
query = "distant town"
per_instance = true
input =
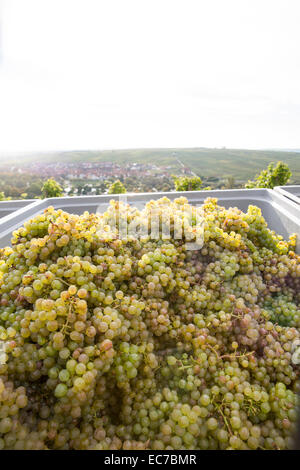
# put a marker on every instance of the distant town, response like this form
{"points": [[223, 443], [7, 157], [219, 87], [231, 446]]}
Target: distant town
{"points": [[87, 178], [90, 172], [98, 171]]}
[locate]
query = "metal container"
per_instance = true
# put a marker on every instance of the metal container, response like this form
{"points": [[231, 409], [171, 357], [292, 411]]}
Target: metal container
{"points": [[291, 192], [281, 214]]}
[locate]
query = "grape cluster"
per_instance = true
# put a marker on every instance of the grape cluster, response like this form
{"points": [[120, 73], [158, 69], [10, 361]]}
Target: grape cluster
{"points": [[113, 342]]}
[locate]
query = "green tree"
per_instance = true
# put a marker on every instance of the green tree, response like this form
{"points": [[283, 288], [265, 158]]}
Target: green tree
{"points": [[34, 190], [273, 176], [102, 187], [230, 182], [79, 186], [187, 183], [52, 188], [117, 188], [86, 189]]}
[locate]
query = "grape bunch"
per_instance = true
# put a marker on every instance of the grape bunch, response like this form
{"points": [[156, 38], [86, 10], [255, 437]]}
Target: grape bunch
{"points": [[113, 342]]}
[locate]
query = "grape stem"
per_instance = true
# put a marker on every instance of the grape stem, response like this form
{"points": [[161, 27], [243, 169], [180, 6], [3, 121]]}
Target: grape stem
{"points": [[219, 409], [231, 356], [62, 280]]}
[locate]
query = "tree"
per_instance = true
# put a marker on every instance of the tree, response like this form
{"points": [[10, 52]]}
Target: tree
{"points": [[230, 182], [273, 176], [187, 183], [101, 188], [117, 188], [52, 188], [34, 190], [86, 189]]}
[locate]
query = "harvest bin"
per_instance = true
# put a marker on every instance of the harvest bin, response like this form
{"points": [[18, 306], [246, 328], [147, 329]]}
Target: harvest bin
{"points": [[8, 207], [281, 214], [291, 192]]}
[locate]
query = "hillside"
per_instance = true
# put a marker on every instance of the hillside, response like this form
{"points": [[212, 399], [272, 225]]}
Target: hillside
{"points": [[241, 164]]}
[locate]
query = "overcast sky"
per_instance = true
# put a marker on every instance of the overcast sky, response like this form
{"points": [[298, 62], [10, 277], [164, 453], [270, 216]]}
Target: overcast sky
{"points": [[94, 74]]}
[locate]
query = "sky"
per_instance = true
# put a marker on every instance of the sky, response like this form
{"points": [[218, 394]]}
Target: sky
{"points": [[98, 74]]}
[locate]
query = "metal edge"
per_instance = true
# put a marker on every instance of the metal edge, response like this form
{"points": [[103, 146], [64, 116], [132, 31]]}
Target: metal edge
{"points": [[279, 201], [285, 192]]}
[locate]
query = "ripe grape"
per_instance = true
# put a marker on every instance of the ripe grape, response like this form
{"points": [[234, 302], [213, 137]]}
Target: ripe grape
{"points": [[141, 343]]}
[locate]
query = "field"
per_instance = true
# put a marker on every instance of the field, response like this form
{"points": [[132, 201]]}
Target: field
{"points": [[241, 164]]}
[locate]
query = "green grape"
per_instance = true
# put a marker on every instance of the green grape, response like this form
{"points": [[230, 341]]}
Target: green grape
{"points": [[144, 344]]}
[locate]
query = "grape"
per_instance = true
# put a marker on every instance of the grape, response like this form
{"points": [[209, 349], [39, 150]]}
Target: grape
{"points": [[142, 343]]}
